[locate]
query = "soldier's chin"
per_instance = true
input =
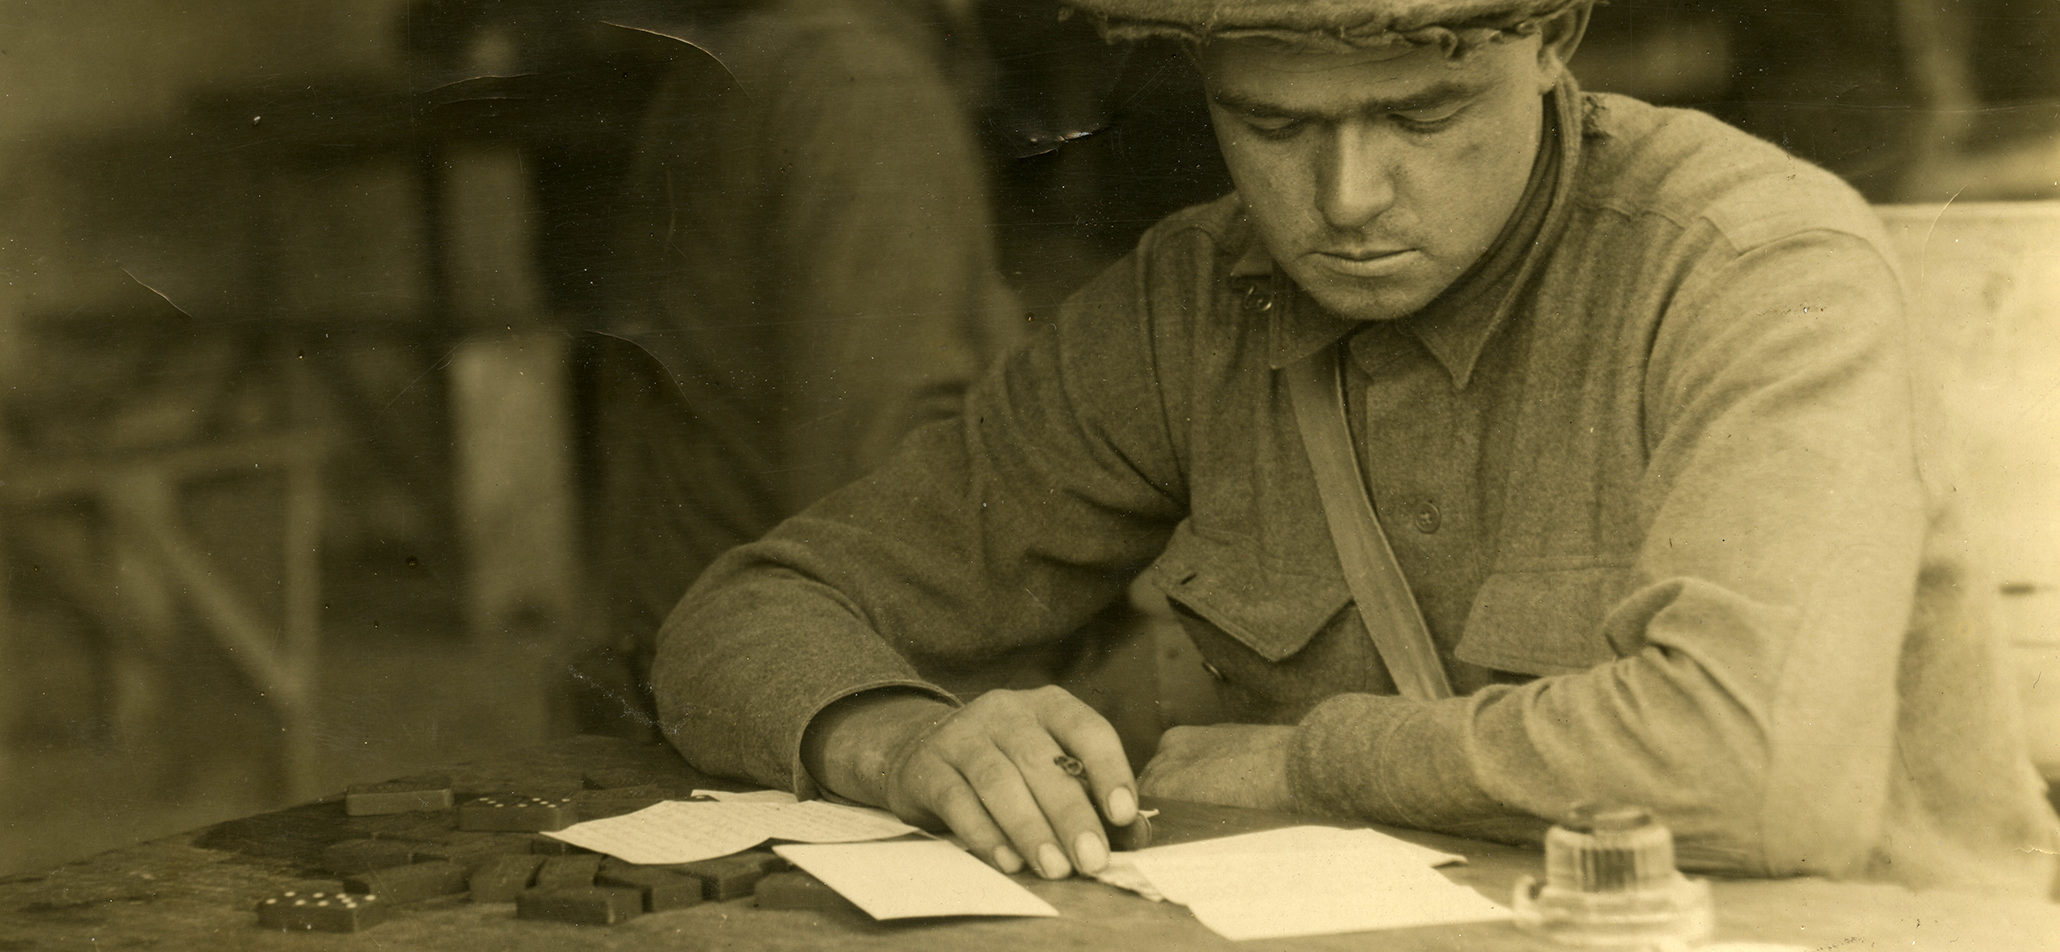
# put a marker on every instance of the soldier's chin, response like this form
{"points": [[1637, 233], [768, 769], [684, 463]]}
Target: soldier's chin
{"points": [[1356, 301]]}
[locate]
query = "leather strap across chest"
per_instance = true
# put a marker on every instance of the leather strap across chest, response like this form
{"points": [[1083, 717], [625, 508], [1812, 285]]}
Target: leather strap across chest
{"points": [[1385, 604]]}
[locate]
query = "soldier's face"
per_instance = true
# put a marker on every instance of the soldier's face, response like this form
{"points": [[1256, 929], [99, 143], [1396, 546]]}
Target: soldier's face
{"points": [[1376, 178]]}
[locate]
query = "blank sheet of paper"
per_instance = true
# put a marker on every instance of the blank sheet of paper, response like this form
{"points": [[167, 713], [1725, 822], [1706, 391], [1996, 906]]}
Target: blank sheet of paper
{"points": [[1123, 872], [682, 831], [1310, 881], [1263, 896], [1376, 846], [906, 879]]}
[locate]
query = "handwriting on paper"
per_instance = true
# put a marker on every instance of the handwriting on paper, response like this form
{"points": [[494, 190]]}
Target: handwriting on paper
{"points": [[682, 831]]}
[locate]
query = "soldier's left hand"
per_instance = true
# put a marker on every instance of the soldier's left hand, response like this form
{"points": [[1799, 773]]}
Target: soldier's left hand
{"points": [[1243, 765]]}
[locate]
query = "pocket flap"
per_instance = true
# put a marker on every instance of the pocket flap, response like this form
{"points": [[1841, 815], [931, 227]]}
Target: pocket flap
{"points": [[1541, 622], [1270, 609]]}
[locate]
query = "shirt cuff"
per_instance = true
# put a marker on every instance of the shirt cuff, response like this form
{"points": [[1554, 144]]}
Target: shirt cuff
{"points": [[1388, 760]]}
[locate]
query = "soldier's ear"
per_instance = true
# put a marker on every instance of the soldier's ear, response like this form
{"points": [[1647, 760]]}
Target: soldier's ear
{"points": [[1559, 35]]}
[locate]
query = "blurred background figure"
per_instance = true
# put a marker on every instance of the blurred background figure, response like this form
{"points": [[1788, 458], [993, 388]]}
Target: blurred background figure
{"points": [[812, 275], [789, 266]]}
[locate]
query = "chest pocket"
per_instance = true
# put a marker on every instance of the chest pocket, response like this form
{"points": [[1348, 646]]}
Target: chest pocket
{"points": [[1543, 621], [1276, 638]]}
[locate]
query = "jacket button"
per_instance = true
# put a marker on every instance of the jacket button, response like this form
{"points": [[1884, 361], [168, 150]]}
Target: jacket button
{"points": [[1214, 671], [1427, 517], [1257, 301]]}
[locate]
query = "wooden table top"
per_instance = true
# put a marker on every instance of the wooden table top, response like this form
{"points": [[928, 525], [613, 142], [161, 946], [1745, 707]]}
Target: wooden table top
{"points": [[198, 889]]}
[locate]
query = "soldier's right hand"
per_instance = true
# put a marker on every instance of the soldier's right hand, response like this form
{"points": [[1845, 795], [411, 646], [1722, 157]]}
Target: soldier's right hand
{"points": [[994, 771]]}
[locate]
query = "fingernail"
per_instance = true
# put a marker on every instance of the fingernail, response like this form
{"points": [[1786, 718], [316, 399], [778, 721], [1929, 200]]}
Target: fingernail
{"points": [[1006, 860], [1089, 852], [1122, 806], [1051, 862]]}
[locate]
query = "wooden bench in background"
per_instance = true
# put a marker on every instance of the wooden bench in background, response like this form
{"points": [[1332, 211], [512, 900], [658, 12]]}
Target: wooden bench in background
{"points": [[124, 428]]}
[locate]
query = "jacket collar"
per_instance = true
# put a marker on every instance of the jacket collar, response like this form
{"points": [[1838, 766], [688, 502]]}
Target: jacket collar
{"points": [[1456, 326]]}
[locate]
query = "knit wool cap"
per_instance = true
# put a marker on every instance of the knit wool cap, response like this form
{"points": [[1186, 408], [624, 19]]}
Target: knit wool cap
{"points": [[1452, 24]]}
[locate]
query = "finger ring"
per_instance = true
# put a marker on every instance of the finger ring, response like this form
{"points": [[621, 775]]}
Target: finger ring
{"points": [[1070, 764]]}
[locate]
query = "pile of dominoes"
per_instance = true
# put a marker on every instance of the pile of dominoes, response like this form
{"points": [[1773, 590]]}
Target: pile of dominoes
{"points": [[418, 843]]}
